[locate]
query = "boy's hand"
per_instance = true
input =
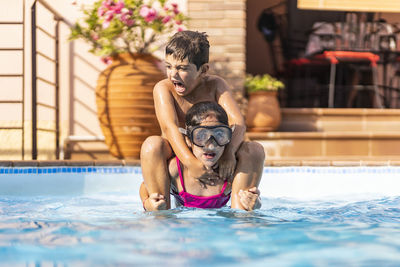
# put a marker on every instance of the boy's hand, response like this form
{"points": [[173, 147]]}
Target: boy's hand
{"points": [[250, 198], [227, 165], [155, 202]]}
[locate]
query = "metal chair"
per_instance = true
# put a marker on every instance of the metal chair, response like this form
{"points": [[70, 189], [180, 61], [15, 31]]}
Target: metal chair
{"points": [[358, 61]]}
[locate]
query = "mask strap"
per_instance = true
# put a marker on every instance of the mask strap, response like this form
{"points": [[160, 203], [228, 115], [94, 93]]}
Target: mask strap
{"points": [[182, 131]]}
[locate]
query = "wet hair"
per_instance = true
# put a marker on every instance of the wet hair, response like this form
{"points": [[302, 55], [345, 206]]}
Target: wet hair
{"points": [[191, 45], [200, 111]]}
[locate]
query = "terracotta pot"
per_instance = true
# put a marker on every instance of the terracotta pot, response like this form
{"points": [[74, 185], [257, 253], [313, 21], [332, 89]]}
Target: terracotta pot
{"points": [[263, 114], [125, 107]]}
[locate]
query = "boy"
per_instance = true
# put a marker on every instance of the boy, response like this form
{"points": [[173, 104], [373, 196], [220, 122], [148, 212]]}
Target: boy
{"points": [[188, 83]]}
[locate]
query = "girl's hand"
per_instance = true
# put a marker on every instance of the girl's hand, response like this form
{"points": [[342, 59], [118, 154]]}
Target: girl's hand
{"points": [[250, 198], [155, 202], [227, 165]]}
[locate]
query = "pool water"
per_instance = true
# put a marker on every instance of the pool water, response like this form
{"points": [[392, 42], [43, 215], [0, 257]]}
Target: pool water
{"points": [[110, 229]]}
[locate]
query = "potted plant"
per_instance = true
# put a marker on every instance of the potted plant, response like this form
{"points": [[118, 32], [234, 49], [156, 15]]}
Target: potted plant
{"points": [[123, 33], [263, 114]]}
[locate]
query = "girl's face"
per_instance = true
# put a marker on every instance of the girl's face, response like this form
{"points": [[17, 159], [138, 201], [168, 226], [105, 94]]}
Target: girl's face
{"points": [[210, 153], [184, 75]]}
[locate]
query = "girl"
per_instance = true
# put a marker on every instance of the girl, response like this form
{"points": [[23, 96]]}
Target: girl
{"points": [[207, 133]]}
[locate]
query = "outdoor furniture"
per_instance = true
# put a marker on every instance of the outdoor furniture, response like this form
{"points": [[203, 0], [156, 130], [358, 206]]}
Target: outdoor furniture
{"points": [[358, 61], [360, 55], [392, 91]]}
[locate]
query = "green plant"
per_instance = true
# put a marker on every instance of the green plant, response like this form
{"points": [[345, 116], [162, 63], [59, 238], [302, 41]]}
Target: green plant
{"points": [[262, 83], [118, 26]]}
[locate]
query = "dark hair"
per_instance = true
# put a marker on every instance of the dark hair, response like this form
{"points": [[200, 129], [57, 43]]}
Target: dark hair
{"points": [[191, 45], [199, 111]]}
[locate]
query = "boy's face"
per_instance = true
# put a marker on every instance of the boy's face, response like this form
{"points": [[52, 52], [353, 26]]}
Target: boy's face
{"points": [[211, 152], [183, 74]]}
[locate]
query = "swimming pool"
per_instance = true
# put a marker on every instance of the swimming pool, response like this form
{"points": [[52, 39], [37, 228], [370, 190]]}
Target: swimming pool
{"points": [[92, 216]]}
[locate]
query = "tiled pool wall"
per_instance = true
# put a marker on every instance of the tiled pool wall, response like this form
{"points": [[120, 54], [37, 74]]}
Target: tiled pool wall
{"points": [[278, 168], [70, 169], [133, 166], [338, 161], [281, 179]]}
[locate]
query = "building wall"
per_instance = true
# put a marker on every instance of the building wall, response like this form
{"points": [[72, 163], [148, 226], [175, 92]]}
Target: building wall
{"points": [[79, 71], [259, 58], [78, 75], [230, 25], [224, 21]]}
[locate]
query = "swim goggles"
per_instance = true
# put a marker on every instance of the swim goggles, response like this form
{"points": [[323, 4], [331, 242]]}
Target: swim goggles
{"points": [[200, 135]]}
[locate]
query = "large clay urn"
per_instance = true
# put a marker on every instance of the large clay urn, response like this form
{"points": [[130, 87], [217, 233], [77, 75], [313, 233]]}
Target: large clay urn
{"points": [[125, 107], [263, 114]]}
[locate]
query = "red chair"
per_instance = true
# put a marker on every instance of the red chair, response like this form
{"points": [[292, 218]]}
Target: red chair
{"points": [[336, 57], [304, 78]]}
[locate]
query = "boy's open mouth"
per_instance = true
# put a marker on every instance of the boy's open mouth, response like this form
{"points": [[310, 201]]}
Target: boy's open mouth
{"points": [[179, 87]]}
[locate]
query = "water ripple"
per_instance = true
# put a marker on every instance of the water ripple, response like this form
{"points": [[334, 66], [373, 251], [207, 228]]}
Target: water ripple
{"points": [[111, 230]]}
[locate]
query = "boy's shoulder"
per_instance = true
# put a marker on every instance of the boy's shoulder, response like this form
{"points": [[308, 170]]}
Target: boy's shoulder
{"points": [[214, 78], [165, 83], [217, 82], [163, 86]]}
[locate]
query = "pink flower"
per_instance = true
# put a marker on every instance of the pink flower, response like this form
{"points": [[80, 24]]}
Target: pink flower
{"points": [[179, 22], [107, 19], [175, 8], [109, 15], [180, 29], [101, 11], [107, 4], [129, 22], [144, 11], [125, 18], [166, 19], [149, 14], [118, 7]]}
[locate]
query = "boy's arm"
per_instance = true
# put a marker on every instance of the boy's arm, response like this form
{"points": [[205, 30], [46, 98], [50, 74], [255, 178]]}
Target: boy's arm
{"points": [[152, 202], [226, 100], [250, 198], [168, 120]]}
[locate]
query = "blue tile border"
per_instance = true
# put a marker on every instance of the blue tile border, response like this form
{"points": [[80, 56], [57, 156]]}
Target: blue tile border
{"points": [[334, 170], [69, 170], [138, 170]]}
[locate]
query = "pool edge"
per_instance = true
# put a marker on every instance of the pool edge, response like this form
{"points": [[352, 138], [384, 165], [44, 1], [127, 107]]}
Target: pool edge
{"points": [[269, 162]]}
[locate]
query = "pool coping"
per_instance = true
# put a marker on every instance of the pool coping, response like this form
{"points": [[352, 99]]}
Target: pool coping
{"points": [[271, 162]]}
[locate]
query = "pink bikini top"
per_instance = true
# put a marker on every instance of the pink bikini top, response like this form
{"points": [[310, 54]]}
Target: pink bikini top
{"points": [[192, 201]]}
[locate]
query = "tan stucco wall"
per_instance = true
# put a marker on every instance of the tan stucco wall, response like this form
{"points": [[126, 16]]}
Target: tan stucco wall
{"points": [[225, 24], [78, 77]]}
